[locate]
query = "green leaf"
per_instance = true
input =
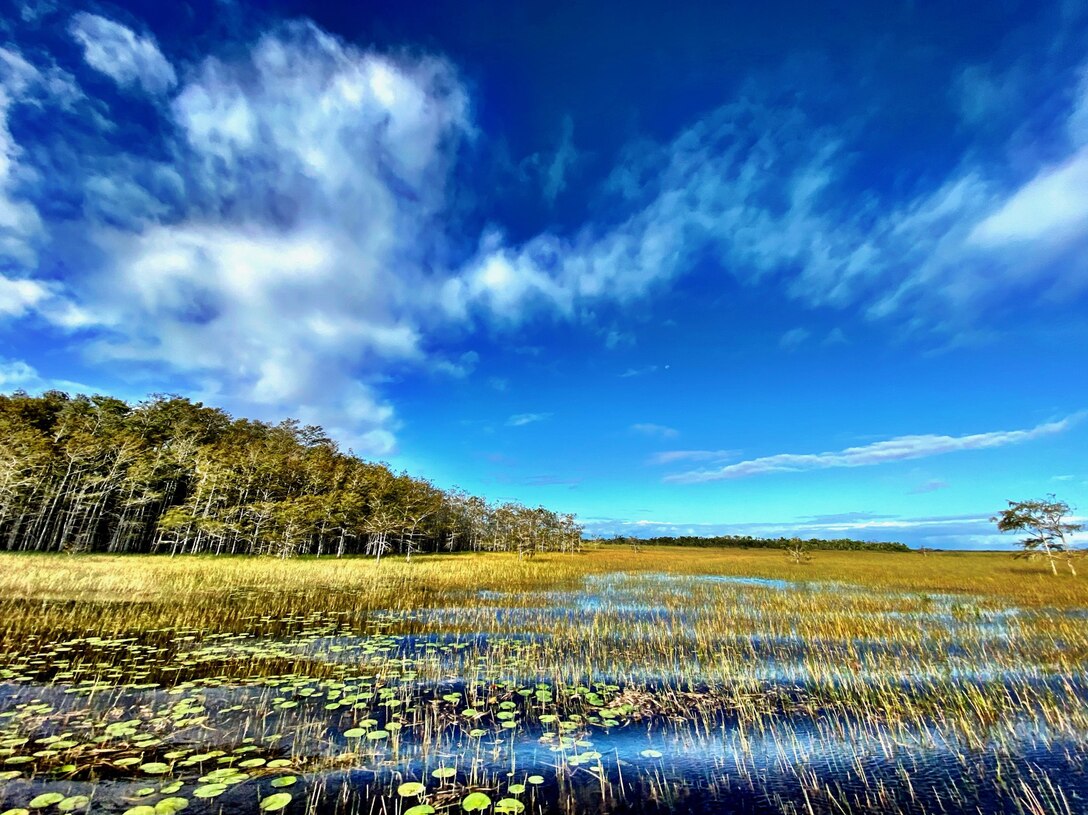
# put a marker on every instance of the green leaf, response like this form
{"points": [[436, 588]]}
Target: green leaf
{"points": [[46, 799], [284, 781], [410, 788], [169, 806], [210, 790], [274, 803], [510, 805], [475, 802]]}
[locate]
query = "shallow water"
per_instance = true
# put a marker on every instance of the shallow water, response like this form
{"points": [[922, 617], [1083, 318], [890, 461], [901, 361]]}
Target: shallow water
{"points": [[631, 693]]}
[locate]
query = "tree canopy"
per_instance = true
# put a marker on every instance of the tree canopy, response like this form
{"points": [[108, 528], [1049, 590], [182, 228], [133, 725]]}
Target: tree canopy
{"points": [[1048, 530], [94, 473]]}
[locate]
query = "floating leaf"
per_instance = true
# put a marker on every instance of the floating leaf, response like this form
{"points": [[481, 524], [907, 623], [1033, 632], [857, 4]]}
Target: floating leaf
{"points": [[143, 809], [410, 788], [73, 802], [510, 805], [475, 802], [355, 733], [517, 789], [444, 772], [535, 779], [20, 811], [274, 803], [419, 809], [168, 806], [7, 775], [155, 768], [650, 754], [284, 781], [46, 799], [210, 790]]}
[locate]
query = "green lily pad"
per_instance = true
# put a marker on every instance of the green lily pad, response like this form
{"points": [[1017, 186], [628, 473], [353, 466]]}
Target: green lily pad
{"points": [[73, 802], [410, 788], [169, 806], [276, 802], [419, 809], [46, 799], [155, 768], [210, 790], [143, 809], [475, 802], [512, 805], [284, 781]]}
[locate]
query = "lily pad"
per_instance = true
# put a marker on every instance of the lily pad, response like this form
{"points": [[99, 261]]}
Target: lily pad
{"points": [[475, 802], [276, 802], [46, 799], [410, 788], [169, 806]]}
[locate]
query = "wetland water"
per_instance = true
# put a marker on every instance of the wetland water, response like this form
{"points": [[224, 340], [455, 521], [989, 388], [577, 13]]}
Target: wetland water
{"points": [[624, 693]]}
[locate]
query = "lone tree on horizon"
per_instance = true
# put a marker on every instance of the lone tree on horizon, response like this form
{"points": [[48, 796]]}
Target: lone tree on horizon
{"points": [[1044, 520]]}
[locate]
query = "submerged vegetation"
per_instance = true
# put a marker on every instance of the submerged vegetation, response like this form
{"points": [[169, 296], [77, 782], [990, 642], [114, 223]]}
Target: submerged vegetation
{"points": [[671, 680]]}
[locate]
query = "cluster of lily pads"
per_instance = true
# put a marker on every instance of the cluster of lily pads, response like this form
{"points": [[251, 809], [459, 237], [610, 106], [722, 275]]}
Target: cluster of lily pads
{"points": [[626, 687]]}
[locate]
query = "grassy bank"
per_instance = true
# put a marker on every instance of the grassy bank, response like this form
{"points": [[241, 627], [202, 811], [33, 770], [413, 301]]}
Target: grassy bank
{"points": [[40, 593]]}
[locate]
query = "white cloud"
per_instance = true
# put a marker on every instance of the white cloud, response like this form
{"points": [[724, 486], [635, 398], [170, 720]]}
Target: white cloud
{"points": [[673, 456], [901, 448], [307, 259], [1051, 207], [522, 419], [20, 225], [762, 190], [18, 375], [656, 430], [793, 339], [121, 54]]}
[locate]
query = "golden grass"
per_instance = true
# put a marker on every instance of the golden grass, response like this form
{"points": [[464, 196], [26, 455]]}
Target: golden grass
{"points": [[115, 593]]}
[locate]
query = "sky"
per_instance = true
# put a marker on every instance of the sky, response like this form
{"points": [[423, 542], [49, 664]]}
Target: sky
{"points": [[778, 268]]}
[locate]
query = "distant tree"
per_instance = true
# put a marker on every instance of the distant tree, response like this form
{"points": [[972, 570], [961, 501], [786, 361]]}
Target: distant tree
{"points": [[1048, 531], [798, 550]]}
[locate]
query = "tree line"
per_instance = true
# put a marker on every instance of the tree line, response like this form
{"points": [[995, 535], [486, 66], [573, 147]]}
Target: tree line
{"points": [[786, 544], [96, 474]]}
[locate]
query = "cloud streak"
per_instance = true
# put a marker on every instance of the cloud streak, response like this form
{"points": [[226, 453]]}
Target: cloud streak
{"points": [[522, 419], [901, 448], [121, 54]]}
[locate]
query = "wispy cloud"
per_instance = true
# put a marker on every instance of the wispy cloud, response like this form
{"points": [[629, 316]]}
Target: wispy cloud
{"points": [[122, 54], [659, 431], [673, 456], [522, 419], [793, 339], [901, 448], [966, 531], [643, 371]]}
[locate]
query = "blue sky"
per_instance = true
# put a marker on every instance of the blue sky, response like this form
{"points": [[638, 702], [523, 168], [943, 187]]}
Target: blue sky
{"points": [[678, 268]]}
